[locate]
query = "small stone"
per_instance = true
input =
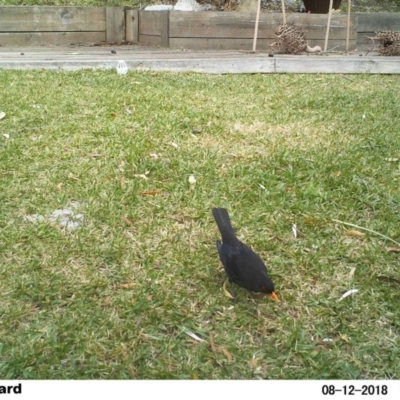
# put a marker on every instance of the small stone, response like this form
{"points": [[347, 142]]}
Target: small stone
{"points": [[270, 55], [114, 51], [22, 54]]}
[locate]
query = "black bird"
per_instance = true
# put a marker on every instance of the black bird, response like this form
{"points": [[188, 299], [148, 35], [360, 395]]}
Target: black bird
{"points": [[241, 264]]}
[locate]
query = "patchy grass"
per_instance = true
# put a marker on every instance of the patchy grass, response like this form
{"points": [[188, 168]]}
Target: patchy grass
{"points": [[116, 298]]}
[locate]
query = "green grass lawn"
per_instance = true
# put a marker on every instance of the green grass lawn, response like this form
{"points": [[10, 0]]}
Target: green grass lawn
{"points": [[118, 297]]}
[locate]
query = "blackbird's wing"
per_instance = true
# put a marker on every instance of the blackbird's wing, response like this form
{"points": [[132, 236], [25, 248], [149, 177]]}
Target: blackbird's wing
{"points": [[221, 252], [242, 265]]}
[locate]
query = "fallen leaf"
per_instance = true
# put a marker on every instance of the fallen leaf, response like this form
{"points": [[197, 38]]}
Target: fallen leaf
{"points": [[2, 115], [126, 220], [227, 354], [132, 372], [354, 233], [151, 192], [348, 293], [58, 186], [6, 135], [72, 176], [192, 341], [192, 180], [150, 297], [173, 144], [393, 249], [294, 230], [128, 111], [236, 156], [194, 336], [337, 173], [253, 363], [212, 344], [226, 291], [126, 285], [106, 301], [345, 338], [143, 176]]}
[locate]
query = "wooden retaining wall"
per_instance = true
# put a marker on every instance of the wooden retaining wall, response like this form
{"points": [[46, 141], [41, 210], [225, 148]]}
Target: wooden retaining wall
{"points": [[227, 31], [32, 26]]}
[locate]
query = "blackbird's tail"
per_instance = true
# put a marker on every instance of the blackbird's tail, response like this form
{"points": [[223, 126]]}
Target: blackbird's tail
{"points": [[223, 221]]}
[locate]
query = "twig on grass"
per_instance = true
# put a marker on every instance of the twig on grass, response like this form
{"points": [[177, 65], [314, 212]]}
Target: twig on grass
{"points": [[366, 229]]}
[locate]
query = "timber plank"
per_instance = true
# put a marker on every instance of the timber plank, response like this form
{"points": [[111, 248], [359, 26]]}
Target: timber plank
{"points": [[150, 40], [348, 65], [265, 32], [51, 38], [132, 25], [218, 44], [115, 24], [372, 22], [150, 22], [243, 43], [209, 62], [241, 25], [233, 30], [165, 29], [54, 19], [212, 24]]}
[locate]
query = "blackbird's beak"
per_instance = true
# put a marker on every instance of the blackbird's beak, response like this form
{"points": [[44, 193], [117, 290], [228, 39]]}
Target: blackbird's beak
{"points": [[274, 296]]}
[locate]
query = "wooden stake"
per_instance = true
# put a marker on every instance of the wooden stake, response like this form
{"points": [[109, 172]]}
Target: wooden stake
{"points": [[348, 26], [328, 25], [256, 27], [283, 11]]}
